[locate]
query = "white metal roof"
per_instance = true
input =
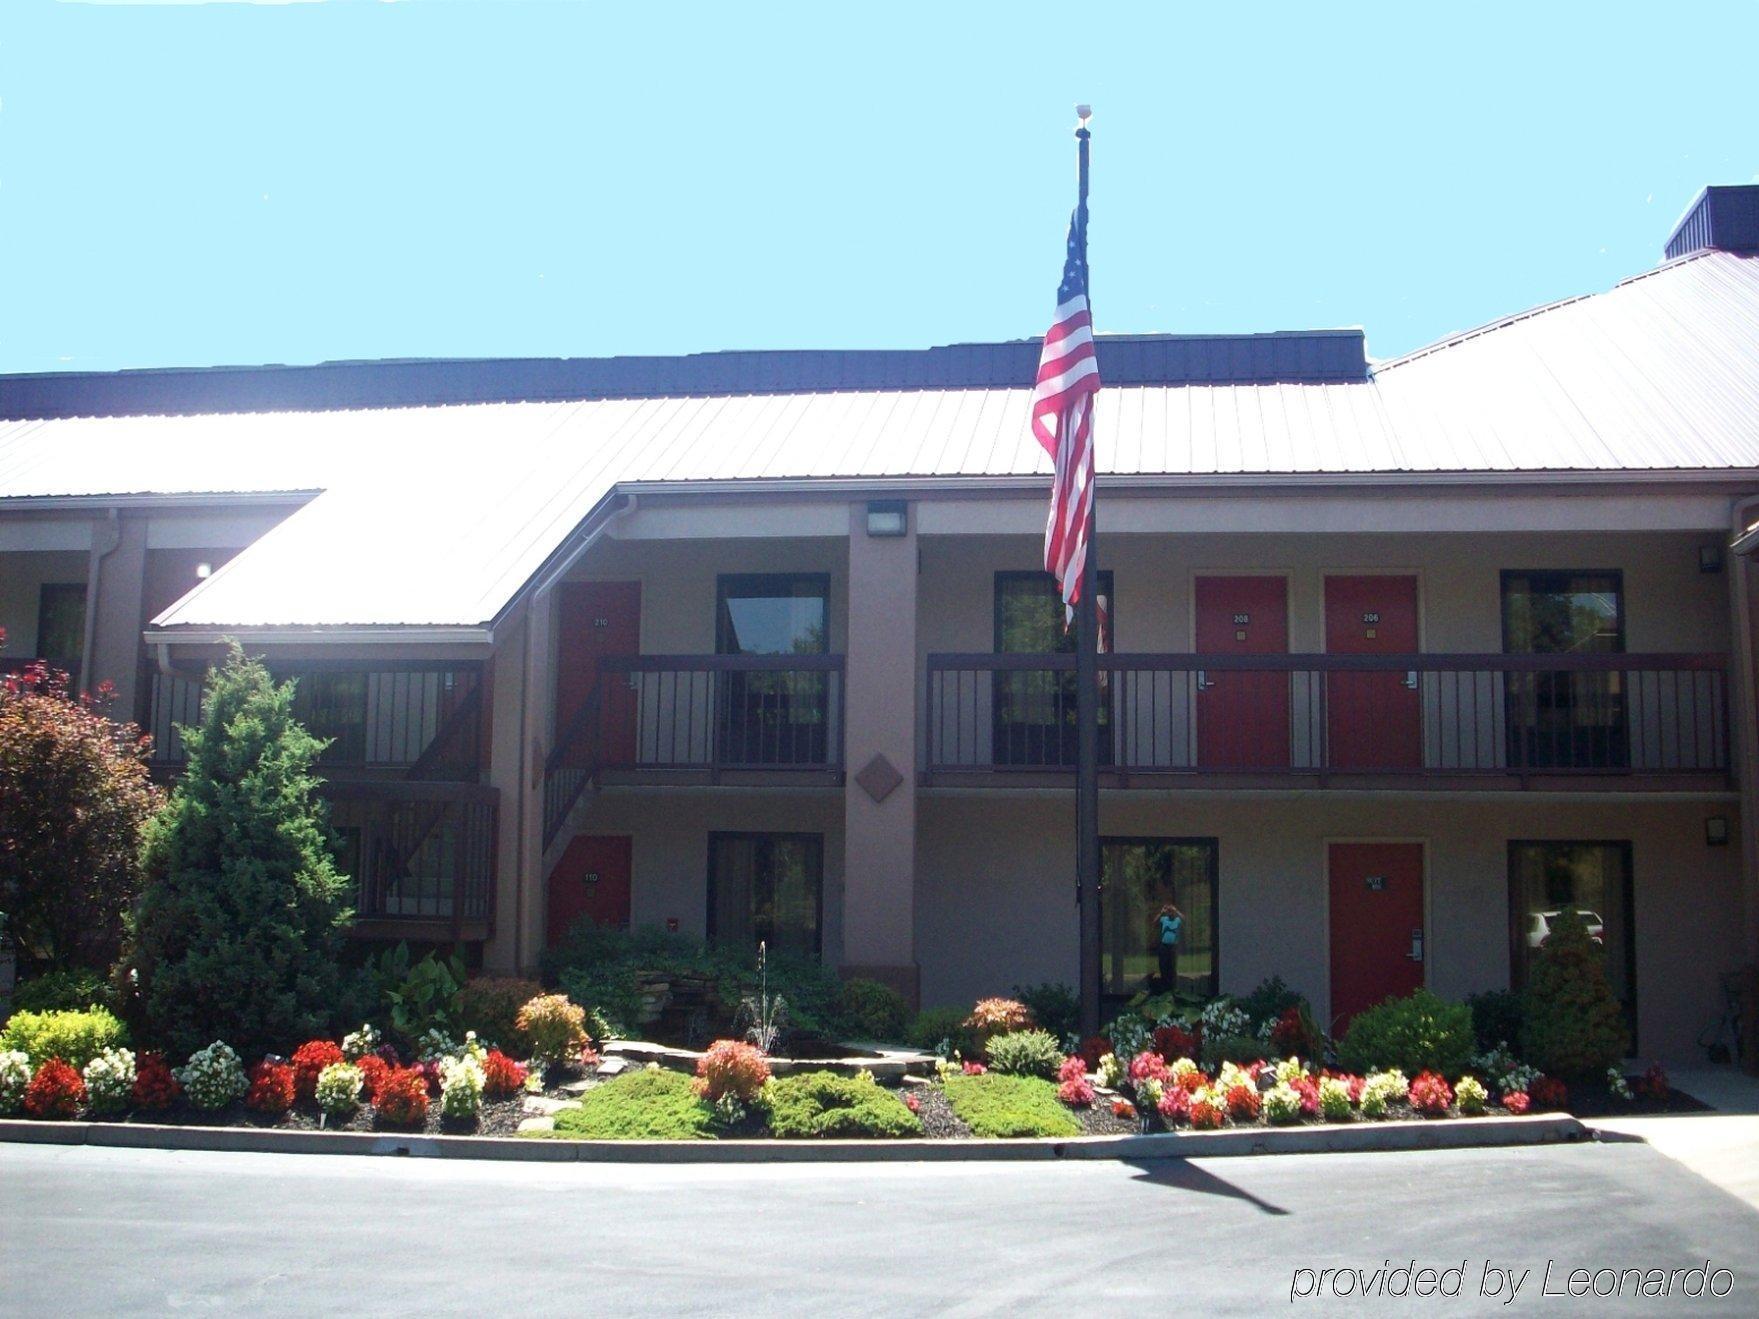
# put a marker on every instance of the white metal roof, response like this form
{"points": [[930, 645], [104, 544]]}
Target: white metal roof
{"points": [[438, 516]]}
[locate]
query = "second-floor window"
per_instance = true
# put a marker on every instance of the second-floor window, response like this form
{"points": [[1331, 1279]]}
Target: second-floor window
{"points": [[770, 714], [1565, 718], [1033, 715]]}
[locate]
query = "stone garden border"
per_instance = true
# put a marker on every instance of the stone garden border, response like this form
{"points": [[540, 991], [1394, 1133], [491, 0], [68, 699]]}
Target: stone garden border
{"points": [[1451, 1133]]}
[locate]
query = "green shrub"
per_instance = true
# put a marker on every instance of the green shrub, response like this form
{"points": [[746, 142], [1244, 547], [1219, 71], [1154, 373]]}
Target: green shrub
{"points": [[932, 1025], [75, 1037], [1002, 1107], [240, 923], [1575, 1026], [826, 1105], [420, 996], [647, 1105], [1219, 1049], [1054, 1006], [489, 1005], [1497, 1016], [874, 1011], [61, 991], [1026, 1053], [1421, 1033], [1268, 1001]]}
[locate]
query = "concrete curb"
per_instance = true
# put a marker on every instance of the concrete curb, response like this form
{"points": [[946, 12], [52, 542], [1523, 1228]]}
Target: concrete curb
{"points": [[1456, 1133]]}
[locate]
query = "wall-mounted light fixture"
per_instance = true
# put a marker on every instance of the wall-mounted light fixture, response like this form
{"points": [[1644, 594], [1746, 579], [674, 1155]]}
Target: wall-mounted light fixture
{"points": [[1710, 558], [1716, 830], [887, 517], [204, 571]]}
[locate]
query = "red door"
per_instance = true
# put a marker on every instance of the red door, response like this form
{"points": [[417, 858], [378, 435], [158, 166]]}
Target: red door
{"points": [[593, 620], [591, 879], [1242, 716], [1376, 925], [1372, 720]]}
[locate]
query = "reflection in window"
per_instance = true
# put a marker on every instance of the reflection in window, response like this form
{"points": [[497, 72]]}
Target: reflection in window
{"points": [[1594, 879], [776, 717], [766, 887], [61, 627], [1562, 719], [1138, 876], [1034, 711]]}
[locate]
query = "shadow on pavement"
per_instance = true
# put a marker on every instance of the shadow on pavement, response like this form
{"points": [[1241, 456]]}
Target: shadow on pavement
{"points": [[1182, 1175]]}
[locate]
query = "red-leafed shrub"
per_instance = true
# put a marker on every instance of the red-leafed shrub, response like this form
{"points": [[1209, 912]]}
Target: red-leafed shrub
{"points": [[155, 1088], [1175, 1104], [403, 1098], [1653, 1084], [731, 1067], [56, 1091], [1074, 1068], [1093, 1048], [974, 1069], [1516, 1102], [997, 1016], [309, 1059], [1244, 1103], [1206, 1116], [1548, 1092], [502, 1076], [1430, 1093], [1076, 1092], [272, 1086], [373, 1071], [1123, 1108], [1175, 1042]]}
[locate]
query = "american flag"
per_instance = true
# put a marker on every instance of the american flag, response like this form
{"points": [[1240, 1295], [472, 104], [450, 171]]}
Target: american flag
{"points": [[1062, 419]]}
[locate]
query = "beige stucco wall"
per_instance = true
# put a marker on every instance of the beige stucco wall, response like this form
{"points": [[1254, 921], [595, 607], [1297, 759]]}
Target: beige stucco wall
{"points": [[22, 576], [995, 906]]}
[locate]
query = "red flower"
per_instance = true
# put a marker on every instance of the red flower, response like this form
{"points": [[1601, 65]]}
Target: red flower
{"points": [[55, 1092], [1430, 1093], [1076, 1092], [1149, 1066], [1175, 1103], [1123, 1108], [1289, 1035], [155, 1088], [1189, 1081], [1244, 1102], [1350, 1079], [974, 1069], [1093, 1048], [1206, 1116], [502, 1076], [309, 1059], [1308, 1089], [912, 1103], [1516, 1102], [1549, 1092], [373, 1071], [1653, 1084], [403, 1097], [1174, 1043], [272, 1085], [1074, 1068]]}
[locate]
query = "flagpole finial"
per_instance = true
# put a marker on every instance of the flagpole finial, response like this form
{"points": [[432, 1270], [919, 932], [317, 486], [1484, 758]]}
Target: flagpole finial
{"points": [[1084, 113]]}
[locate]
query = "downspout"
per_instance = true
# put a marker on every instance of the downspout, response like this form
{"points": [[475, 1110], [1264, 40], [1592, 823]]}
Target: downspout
{"points": [[106, 536], [1746, 740]]}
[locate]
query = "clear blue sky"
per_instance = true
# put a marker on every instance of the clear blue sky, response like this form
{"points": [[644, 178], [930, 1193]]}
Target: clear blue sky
{"points": [[188, 184]]}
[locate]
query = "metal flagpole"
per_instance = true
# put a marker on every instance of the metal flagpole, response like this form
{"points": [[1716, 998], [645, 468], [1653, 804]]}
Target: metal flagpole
{"points": [[1087, 685]]}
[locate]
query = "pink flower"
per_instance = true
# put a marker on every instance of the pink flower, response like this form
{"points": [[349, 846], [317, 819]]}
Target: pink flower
{"points": [[1516, 1102], [1076, 1092]]}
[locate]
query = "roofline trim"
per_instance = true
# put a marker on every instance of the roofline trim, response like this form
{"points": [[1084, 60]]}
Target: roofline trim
{"points": [[182, 634], [191, 499]]}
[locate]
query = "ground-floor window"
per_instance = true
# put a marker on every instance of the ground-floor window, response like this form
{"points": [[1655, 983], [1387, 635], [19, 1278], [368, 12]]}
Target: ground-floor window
{"points": [[1137, 877], [1593, 878], [767, 887]]}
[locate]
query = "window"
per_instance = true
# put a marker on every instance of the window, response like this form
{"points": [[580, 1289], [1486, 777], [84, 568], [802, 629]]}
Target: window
{"points": [[773, 716], [767, 887], [1137, 877], [1565, 719], [1033, 711], [332, 705], [61, 627], [1589, 877]]}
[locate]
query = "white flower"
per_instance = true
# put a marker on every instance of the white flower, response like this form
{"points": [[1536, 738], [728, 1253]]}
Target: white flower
{"points": [[15, 1075], [461, 1086], [213, 1077], [109, 1081], [338, 1089], [358, 1043]]}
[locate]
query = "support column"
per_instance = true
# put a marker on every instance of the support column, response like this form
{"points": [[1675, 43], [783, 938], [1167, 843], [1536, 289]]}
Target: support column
{"points": [[540, 684], [115, 598], [504, 953], [879, 795]]}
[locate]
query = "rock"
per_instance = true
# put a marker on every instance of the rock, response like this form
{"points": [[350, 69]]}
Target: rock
{"points": [[544, 1106], [537, 1124]]}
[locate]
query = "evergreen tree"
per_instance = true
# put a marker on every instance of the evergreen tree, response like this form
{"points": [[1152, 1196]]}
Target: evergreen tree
{"points": [[241, 917], [1575, 1025]]}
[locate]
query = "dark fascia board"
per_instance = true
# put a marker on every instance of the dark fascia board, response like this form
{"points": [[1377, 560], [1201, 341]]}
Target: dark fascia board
{"points": [[1307, 356]]}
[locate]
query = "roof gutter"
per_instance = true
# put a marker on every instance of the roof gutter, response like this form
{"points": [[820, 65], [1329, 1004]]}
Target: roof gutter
{"points": [[355, 634]]}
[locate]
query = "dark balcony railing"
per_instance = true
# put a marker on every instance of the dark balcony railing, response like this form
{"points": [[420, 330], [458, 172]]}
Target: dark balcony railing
{"points": [[409, 720], [1415, 717], [422, 854], [708, 715]]}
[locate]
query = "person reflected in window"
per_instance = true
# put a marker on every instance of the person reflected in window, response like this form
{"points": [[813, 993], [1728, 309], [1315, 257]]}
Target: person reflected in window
{"points": [[1169, 924]]}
